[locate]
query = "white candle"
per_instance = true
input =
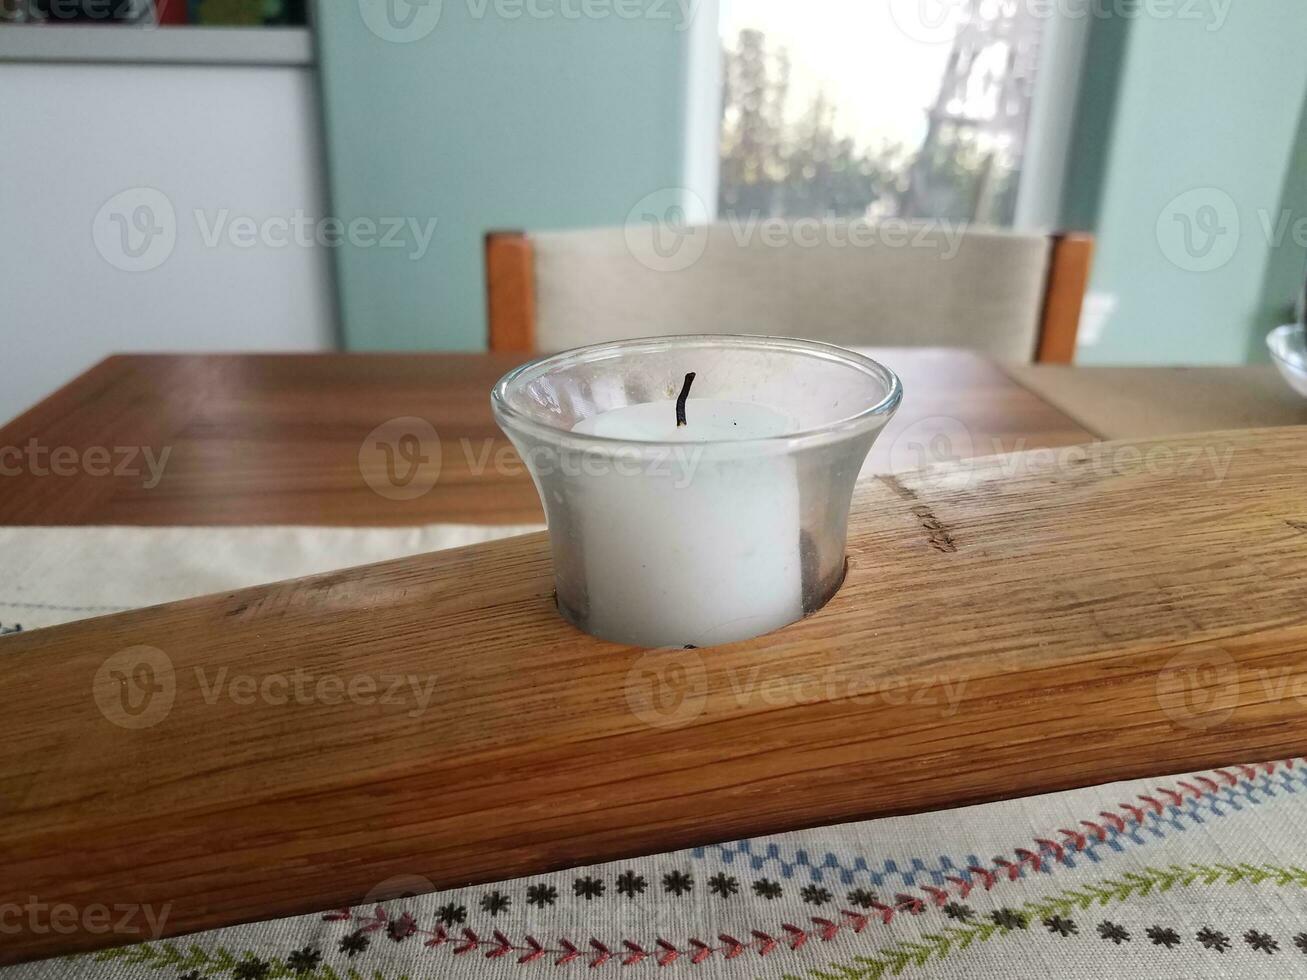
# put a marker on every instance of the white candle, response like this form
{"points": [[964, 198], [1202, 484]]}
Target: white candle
{"points": [[702, 548]]}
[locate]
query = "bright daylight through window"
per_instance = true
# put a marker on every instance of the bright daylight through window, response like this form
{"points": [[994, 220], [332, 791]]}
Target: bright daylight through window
{"points": [[907, 109]]}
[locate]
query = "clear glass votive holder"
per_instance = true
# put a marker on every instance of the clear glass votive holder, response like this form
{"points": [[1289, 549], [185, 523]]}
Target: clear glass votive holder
{"points": [[722, 528], [1288, 347]]}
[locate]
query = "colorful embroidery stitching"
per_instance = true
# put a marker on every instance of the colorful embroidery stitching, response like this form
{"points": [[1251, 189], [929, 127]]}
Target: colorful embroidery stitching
{"points": [[1165, 810], [1057, 914]]}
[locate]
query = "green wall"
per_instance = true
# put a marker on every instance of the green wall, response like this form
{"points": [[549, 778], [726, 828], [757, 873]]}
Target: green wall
{"points": [[1283, 282], [1100, 91], [1214, 113], [487, 121]]}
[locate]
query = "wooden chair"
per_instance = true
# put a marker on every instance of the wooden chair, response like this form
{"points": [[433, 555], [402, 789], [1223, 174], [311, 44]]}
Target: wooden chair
{"points": [[1015, 297]]}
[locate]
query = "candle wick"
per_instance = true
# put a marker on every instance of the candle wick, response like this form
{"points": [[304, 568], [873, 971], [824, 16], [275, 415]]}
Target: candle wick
{"points": [[680, 400]]}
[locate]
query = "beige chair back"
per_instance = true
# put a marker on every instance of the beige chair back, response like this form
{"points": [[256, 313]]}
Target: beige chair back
{"points": [[849, 283]]}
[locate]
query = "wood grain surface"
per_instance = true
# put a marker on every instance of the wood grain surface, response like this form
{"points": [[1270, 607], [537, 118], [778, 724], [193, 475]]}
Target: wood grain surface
{"points": [[1009, 626], [294, 439]]}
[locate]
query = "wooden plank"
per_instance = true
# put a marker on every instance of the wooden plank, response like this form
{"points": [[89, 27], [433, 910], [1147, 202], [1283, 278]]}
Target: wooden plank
{"points": [[292, 438], [1069, 264], [1016, 625], [511, 292]]}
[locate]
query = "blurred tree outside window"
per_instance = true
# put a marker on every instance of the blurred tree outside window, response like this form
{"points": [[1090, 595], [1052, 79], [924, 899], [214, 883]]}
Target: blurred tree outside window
{"points": [[835, 110]]}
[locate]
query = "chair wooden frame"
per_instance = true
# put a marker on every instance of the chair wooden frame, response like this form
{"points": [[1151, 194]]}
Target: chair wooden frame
{"points": [[511, 296]]}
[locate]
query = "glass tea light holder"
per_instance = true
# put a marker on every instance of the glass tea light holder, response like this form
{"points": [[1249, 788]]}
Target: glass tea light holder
{"points": [[696, 488]]}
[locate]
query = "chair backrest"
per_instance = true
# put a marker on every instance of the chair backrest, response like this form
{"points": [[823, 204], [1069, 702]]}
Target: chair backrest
{"points": [[1016, 297]]}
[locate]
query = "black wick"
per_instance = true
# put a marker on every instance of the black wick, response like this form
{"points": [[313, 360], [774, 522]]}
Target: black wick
{"points": [[680, 399]]}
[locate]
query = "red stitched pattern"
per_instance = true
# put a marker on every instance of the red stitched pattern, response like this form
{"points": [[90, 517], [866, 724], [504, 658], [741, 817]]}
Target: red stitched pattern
{"points": [[598, 954], [664, 952]]}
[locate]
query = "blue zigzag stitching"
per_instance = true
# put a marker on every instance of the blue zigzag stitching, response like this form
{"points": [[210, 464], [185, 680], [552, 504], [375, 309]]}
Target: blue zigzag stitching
{"points": [[1174, 819]]}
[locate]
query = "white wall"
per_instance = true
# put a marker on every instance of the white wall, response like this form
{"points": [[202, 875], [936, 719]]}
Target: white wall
{"points": [[208, 138]]}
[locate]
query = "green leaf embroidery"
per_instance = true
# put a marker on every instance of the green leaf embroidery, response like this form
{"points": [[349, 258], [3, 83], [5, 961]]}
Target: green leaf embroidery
{"points": [[891, 960], [1132, 884]]}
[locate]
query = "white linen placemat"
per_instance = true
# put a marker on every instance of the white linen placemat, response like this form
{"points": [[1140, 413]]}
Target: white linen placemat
{"points": [[51, 575], [1191, 876]]}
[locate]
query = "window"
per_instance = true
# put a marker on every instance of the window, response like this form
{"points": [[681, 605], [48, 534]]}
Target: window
{"points": [[846, 110]]}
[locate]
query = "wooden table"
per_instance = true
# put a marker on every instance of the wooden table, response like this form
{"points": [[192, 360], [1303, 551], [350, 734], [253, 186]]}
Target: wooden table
{"points": [[1068, 619], [1143, 402], [276, 439]]}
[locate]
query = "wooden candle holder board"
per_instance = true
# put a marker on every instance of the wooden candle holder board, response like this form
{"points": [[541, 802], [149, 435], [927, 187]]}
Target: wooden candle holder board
{"points": [[1008, 626]]}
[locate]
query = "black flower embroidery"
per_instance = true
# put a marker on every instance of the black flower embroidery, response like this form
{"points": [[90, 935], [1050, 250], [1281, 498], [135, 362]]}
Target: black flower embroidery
{"points": [[541, 895], [677, 883], [304, 960], [1163, 936], [1300, 941], [495, 902], [1211, 939], [588, 888], [1114, 932], [864, 899], [766, 888], [1261, 942], [451, 914], [815, 895], [252, 969], [401, 928], [724, 885], [631, 884], [1060, 926], [354, 943], [1008, 919]]}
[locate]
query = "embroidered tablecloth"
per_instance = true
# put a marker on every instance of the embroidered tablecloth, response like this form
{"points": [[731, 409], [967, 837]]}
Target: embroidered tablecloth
{"points": [[1195, 875]]}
